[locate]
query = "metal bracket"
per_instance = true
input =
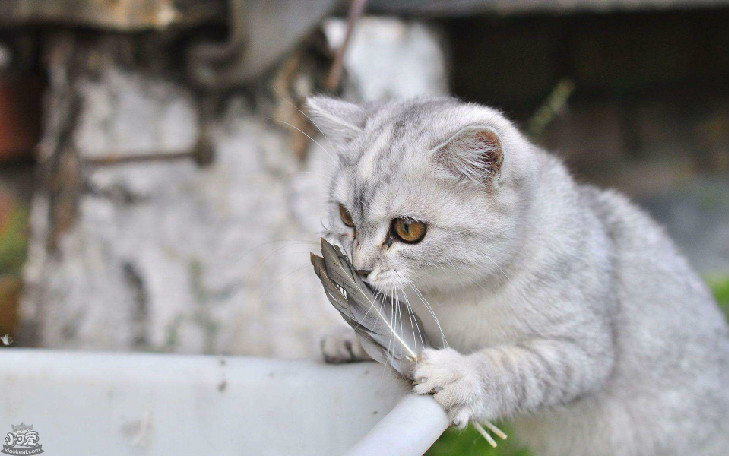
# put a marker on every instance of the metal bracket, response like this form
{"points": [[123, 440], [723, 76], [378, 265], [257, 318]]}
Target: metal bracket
{"points": [[261, 32]]}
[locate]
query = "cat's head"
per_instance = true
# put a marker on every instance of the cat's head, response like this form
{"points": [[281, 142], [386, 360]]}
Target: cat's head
{"points": [[428, 190]]}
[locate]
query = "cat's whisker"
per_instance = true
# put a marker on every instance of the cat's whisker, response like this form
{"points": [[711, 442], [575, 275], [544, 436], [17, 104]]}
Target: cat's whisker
{"points": [[270, 252], [413, 322], [307, 135], [403, 346], [295, 106], [399, 310], [497, 265], [429, 308], [283, 244], [392, 311], [325, 229]]}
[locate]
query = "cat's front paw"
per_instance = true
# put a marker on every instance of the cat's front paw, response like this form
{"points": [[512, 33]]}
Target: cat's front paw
{"points": [[341, 345], [453, 381]]}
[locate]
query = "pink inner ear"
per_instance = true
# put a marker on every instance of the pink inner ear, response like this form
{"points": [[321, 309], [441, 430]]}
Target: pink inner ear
{"points": [[491, 146], [474, 154]]}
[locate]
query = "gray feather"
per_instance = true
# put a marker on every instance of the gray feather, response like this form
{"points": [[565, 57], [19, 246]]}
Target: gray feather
{"points": [[388, 330]]}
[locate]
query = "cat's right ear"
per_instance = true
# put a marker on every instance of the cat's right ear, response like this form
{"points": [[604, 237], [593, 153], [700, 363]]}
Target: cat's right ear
{"points": [[473, 154], [336, 119]]}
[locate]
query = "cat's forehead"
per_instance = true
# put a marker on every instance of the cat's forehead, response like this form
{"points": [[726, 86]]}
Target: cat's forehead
{"points": [[381, 184], [374, 185], [387, 167], [386, 154], [415, 122], [391, 149], [397, 140]]}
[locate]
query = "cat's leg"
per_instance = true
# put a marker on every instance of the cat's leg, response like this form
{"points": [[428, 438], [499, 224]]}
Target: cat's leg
{"points": [[341, 345], [501, 381]]}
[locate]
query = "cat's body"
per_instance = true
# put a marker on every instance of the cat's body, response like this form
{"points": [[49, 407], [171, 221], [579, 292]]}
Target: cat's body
{"points": [[566, 308]]}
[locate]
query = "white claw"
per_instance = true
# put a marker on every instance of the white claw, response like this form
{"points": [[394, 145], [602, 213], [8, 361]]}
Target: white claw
{"points": [[499, 433], [485, 434]]}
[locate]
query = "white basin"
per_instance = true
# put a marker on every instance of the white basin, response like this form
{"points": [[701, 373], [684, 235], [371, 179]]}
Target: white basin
{"points": [[152, 404]]}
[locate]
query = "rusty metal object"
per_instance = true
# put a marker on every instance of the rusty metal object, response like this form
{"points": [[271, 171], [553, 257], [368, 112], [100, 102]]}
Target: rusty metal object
{"points": [[10, 289], [453, 8], [122, 15], [65, 188], [335, 73], [300, 75], [203, 154], [59, 161], [20, 114], [21, 90], [288, 104], [261, 32]]}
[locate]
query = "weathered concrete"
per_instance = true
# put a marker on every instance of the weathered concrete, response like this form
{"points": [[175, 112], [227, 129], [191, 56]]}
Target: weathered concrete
{"points": [[172, 257]]}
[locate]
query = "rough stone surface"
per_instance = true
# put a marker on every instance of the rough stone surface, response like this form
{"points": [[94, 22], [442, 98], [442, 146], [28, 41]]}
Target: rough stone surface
{"points": [[172, 257], [390, 58]]}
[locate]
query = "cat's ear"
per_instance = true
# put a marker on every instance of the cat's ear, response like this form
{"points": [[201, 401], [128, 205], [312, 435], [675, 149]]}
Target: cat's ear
{"points": [[474, 154], [337, 119]]}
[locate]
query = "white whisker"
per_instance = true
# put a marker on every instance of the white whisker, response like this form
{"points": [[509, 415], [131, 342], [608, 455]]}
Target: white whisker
{"points": [[430, 310], [307, 135]]}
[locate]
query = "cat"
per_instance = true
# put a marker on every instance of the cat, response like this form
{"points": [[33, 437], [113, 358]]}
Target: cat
{"points": [[565, 308]]}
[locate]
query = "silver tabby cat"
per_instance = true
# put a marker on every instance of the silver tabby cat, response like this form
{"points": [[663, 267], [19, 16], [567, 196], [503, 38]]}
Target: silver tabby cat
{"points": [[566, 308]]}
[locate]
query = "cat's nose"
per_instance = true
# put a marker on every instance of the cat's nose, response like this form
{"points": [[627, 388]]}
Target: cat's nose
{"points": [[363, 272]]}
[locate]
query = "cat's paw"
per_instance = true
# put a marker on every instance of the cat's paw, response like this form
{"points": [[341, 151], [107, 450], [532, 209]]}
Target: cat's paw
{"points": [[453, 381], [341, 345]]}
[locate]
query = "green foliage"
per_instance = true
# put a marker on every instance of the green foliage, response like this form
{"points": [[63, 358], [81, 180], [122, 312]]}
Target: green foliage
{"points": [[13, 241], [469, 442], [720, 287]]}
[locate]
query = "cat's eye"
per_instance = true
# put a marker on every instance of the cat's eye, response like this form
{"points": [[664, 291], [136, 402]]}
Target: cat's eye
{"points": [[345, 216], [408, 230]]}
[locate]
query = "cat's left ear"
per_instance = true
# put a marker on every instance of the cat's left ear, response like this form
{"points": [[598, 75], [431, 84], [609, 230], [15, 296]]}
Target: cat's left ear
{"points": [[474, 154], [337, 119]]}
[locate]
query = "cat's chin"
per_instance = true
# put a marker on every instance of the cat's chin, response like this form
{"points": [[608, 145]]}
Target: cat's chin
{"points": [[388, 284]]}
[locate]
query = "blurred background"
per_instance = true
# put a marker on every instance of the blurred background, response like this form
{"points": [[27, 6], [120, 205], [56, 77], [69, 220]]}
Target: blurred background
{"points": [[160, 186]]}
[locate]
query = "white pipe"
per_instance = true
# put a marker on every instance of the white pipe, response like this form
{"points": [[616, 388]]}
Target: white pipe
{"points": [[408, 430]]}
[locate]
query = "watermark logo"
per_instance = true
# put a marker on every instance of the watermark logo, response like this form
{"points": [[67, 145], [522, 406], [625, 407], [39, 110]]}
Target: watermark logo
{"points": [[6, 340], [22, 440]]}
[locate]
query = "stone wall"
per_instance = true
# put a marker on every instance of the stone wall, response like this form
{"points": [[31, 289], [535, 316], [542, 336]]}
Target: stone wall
{"points": [[171, 256]]}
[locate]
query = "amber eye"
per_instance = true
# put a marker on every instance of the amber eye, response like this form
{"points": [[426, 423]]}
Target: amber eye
{"points": [[345, 216], [408, 230]]}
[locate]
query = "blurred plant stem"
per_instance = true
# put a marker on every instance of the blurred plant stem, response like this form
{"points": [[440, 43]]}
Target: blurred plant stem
{"points": [[552, 106], [335, 72]]}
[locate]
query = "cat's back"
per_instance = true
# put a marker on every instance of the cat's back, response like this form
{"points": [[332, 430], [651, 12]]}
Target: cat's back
{"points": [[672, 340], [652, 276]]}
